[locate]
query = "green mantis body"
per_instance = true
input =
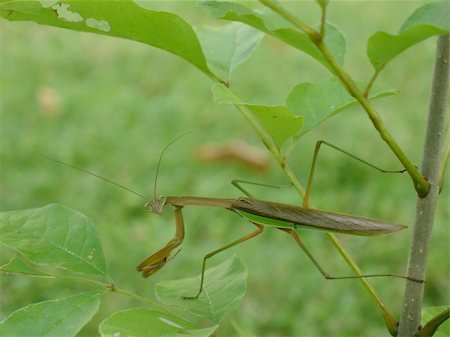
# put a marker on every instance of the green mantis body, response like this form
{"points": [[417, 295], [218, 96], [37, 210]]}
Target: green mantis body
{"points": [[284, 216], [261, 213]]}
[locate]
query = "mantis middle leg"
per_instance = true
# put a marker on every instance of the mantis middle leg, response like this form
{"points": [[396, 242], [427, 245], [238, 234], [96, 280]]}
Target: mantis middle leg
{"points": [[211, 254]]}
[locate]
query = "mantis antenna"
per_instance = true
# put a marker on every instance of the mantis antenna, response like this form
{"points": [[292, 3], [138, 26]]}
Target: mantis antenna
{"points": [[160, 159], [93, 174], [113, 182]]}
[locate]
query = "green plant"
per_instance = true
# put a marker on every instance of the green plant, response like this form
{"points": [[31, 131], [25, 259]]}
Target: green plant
{"points": [[170, 32]]}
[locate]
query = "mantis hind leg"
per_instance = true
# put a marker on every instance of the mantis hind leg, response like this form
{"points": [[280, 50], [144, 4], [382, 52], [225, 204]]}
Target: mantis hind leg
{"points": [[328, 276], [211, 254]]}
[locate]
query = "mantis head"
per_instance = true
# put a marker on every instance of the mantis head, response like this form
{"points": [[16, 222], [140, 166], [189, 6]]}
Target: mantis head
{"points": [[156, 205]]}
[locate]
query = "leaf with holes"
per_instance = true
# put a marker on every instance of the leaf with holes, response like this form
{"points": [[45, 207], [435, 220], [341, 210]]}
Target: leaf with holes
{"points": [[124, 19]]}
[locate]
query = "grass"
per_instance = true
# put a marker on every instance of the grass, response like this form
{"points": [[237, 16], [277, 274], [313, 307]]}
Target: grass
{"points": [[120, 102]]}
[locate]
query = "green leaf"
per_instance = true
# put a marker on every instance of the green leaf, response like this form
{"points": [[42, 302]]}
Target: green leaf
{"points": [[223, 290], [56, 236], [228, 46], [435, 13], [428, 20], [56, 318], [144, 322], [278, 121], [124, 19], [435, 322], [336, 43], [320, 101], [274, 25]]}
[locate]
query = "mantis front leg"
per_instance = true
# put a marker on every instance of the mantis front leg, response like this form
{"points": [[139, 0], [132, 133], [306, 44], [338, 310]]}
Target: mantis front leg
{"points": [[156, 261]]}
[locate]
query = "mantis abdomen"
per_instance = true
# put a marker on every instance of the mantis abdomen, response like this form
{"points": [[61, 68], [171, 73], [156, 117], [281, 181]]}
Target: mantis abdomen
{"points": [[290, 216]]}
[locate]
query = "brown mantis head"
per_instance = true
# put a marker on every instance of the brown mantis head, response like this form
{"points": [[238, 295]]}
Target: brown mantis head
{"points": [[156, 205]]}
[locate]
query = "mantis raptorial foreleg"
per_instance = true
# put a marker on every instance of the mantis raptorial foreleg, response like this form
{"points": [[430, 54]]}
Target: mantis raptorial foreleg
{"points": [[156, 261], [211, 254]]}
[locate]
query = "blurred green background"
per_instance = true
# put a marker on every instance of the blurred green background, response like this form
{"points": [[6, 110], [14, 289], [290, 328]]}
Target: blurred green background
{"points": [[110, 106]]}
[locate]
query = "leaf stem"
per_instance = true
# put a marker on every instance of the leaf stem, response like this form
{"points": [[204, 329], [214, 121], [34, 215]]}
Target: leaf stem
{"points": [[425, 208], [82, 279], [311, 32], [139, 298], [323, 19], [433, 324], [265, 138], [370, 84]]}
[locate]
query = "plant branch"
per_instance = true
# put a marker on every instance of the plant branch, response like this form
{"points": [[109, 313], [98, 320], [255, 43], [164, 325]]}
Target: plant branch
{"points": [[421, 185], [425, 208], [444, 160], [389, 318]]}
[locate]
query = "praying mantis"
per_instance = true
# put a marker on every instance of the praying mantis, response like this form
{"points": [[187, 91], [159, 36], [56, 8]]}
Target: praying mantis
{"points": [[284, 217]]}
